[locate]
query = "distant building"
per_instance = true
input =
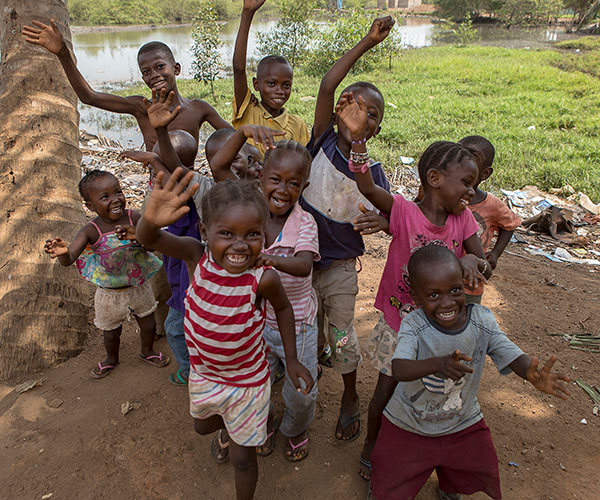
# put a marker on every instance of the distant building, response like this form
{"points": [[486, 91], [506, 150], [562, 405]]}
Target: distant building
{"points": [[399, 4]]}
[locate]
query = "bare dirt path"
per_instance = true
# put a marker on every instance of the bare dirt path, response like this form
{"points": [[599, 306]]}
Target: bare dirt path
{"points": [[85, 449]]}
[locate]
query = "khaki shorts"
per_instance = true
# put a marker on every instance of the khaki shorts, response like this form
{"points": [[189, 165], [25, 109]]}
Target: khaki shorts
{"points": [[336, 289], [381, 346], [113, 307]]}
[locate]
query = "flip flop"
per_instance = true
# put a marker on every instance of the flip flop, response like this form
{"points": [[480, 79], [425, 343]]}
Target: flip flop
{"points": [[365, 465], [101, 371], [159, 360], [219, 450], [346, 421], [293, 447], [267, 450], [178, 379]]}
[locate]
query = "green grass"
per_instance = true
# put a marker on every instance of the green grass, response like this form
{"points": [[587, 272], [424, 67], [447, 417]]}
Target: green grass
{"points": [[583, 43], [445, 93]]}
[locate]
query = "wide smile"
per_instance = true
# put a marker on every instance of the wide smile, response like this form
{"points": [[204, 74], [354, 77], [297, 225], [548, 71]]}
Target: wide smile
{"points": [[279, 202], [447, 315], [116, 210], [158, 84], [236, 259]]}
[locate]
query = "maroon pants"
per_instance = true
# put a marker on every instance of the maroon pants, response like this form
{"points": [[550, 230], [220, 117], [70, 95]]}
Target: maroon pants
{"points": [[465, 462]]}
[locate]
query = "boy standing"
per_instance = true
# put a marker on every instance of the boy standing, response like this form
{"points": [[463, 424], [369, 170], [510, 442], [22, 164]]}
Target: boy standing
{"points": [[433, 421], [493, 216], [273, 82], [332, 197], [159, 70]]}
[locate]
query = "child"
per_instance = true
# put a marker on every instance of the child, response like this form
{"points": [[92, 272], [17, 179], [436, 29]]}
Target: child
{"points": [[333, 198], [291, 247], [159, 70], [120, 270], [225, 314], [491, 214], [448, 173], [433, 421], [273, 82]]}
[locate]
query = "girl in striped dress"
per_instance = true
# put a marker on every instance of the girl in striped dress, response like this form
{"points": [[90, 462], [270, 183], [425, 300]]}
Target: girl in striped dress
{"points": [[229, 382]]}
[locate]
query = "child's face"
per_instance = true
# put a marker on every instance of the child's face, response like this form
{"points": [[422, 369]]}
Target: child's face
{"points": [[374, 104], [440, 293], [236, 237], [158, 70], [456, 185], [106, 198], [274, 86], [254, 159], [283, 180]]}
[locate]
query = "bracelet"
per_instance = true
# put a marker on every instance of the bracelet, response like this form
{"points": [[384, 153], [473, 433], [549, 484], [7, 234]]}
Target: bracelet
{"points": [[485, 265], [360, 168], [362, 141], [359, 158]]}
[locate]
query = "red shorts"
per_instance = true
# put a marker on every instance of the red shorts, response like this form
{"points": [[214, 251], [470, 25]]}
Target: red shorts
{"points": [[465, 462]]}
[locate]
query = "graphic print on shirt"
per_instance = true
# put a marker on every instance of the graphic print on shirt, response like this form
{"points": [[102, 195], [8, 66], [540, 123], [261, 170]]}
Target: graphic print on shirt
{"points": [[402, 300], [434, 409], [482, 232]]}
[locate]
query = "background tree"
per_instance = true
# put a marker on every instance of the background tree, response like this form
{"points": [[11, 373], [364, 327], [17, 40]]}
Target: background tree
{"points": [[206, 65], [43, 307]]}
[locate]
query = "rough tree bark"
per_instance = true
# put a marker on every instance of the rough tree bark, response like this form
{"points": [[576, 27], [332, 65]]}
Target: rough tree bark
{"points": [[43, 306]]}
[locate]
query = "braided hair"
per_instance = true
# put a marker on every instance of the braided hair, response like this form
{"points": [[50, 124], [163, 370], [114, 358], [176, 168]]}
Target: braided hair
{"points": [[286, 147], [440, 156], [230, 193], [88, 180]]}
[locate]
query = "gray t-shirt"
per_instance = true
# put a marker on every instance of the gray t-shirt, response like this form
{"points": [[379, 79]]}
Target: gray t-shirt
{"points": [[434, 405]]}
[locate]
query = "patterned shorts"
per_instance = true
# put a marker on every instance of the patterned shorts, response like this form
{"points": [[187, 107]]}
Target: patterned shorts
{"points": [[244, 410], [381, 346], [113, 307]]}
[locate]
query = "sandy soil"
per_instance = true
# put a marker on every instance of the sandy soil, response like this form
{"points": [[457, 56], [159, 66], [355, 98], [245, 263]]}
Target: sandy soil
{"points": [[85, 449]]}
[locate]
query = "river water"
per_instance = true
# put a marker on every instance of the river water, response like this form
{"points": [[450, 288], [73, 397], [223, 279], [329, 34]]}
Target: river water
{"points": [[107, 59]]}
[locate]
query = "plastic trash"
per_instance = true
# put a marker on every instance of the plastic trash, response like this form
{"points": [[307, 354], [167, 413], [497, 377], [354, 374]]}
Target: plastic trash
{"points": [[588, 204]]}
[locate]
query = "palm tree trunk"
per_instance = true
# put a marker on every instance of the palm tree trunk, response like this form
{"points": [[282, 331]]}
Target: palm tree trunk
{"points": [[43, 306]]}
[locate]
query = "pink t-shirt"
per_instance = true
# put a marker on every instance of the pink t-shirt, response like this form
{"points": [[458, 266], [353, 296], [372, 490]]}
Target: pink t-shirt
{"points": [[299, 233], [410, 231]]}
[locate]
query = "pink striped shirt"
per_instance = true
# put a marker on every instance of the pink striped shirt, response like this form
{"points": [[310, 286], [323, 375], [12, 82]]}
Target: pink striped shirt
{"points": [[299, 234], [223, 325]]}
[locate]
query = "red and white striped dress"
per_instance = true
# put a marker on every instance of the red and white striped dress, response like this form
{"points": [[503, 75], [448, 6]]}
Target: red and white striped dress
{"points": [[223, 325]]}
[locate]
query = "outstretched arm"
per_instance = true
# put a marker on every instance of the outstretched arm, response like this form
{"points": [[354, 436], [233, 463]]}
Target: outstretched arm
{"points": [[543, 380], [271, 289], [240, 82], [326, 97], [52, 40], [167, 204], [220, 165], [353, 112], [300, 264], [67, 254]]}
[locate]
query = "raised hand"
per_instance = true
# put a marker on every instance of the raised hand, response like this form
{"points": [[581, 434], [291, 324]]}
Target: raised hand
{"points": [[55, 247], [353, 112], [380, 29], [159, 110], [544, 381], [167, 203], [125, 232], [296, 371], [473, 269], [260, 134], [451, 366], [253, 5], [46, 36], [369, 221]]}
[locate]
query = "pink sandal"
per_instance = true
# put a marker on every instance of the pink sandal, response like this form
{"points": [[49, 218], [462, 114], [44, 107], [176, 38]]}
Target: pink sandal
{"points": [[290, 457], [101, 371], [159, 360]]}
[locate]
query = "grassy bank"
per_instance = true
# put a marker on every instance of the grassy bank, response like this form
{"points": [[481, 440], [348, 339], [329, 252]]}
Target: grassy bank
{"points": [[541, 114]]}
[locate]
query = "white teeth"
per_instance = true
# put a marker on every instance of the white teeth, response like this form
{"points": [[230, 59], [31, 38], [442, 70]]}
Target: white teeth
{"points": [[236, 259], [278, 203], [464, 202], [448, 315]]}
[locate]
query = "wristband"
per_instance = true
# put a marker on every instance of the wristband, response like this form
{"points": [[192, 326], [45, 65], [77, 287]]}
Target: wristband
{"points": [[362, 141], [358, 168]]}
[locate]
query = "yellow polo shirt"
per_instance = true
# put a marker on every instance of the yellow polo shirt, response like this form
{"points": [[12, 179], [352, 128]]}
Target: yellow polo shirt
{"points": [[255, 114]]}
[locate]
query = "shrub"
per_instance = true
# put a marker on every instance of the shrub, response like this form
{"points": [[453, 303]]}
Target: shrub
{"points": [[206, 64]]}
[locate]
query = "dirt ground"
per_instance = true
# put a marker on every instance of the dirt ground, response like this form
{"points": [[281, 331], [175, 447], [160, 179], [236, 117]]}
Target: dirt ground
{"points": [[85, 449]]}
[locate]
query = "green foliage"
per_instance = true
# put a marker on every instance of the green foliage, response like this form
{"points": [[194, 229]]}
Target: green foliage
{"points": [[206, 43], [583, 43], [524, 12], [340, 36], [460, 34], [292, 35]]}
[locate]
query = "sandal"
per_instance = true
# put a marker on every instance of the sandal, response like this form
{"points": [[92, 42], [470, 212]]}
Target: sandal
{"points": [[365, 466], [101, 370], [219, 449], [290, 455], [345, 421], [159, 360], [267, 448], [325, 357], [178, 379]]}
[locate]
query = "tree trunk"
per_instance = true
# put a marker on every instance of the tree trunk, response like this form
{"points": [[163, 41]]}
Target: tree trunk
{"points": [[43, 306]]}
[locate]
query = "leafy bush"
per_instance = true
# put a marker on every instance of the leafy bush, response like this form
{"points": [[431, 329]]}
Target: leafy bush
{"points": [[205, 46], [339, 37], [291, 37], [460, 34]]}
